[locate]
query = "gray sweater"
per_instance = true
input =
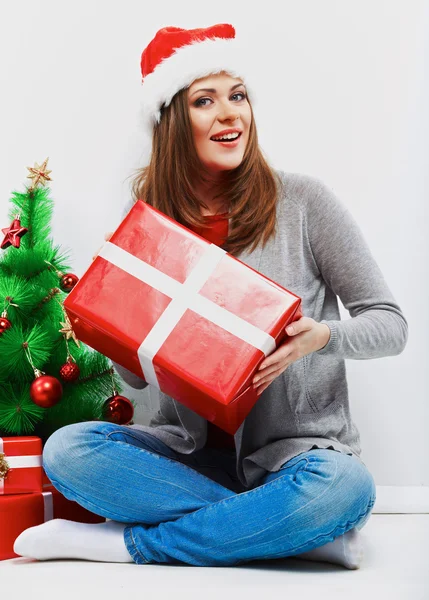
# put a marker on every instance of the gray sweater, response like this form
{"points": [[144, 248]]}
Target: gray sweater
{"points": [[319, 253]]}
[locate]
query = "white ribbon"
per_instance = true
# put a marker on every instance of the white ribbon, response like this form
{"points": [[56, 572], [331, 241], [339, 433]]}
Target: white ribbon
{"points": [[184, 296], [19, 462], [48, 506]]}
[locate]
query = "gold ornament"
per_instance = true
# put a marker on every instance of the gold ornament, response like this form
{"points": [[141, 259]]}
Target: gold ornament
{"points": [[4, 466], [39, 174], [68, 330]]}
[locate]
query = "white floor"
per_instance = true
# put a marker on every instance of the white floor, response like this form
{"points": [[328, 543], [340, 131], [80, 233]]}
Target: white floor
{"points": [[395, 567]]}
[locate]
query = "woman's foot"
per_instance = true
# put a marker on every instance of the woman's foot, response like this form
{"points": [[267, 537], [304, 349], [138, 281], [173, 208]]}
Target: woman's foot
{"points": [[346, 550], [60, 538]]}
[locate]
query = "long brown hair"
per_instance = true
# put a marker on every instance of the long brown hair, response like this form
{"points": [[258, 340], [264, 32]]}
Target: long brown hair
{"points": [[251, 190]]}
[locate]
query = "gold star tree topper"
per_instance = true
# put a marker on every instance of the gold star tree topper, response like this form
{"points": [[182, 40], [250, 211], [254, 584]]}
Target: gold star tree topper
{"points": [[39, 174]]}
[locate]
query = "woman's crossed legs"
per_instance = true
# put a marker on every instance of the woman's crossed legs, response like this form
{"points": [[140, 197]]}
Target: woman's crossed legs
{"points": [[173, 513]]}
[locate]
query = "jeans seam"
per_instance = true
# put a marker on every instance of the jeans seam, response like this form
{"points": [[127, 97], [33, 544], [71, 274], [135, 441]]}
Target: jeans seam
{"points": [[353, 523], [136, 548]]}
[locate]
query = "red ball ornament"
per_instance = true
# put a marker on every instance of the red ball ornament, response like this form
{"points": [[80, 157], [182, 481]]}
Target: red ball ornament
{"points": [[118, 409], [69, 371], [68, 281], [46, 391], [4, 324]]}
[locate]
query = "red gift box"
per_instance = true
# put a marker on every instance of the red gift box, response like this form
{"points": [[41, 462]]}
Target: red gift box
{"points": [[182, 314], [20, 465], [45, 479], [19, 512]]}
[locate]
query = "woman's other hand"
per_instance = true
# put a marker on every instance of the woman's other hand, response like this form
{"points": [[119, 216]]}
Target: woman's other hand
{"points": [[107, 237], [306, 336]]}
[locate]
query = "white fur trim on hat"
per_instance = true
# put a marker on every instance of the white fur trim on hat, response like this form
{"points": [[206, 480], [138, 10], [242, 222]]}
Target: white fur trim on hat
{"points": [[188, 63]]}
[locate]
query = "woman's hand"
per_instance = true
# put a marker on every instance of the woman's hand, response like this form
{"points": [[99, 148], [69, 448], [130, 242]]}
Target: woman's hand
{"points": [[107, 237], [307, 336]]}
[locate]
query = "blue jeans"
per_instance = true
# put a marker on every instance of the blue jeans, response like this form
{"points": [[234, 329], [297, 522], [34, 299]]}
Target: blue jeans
{"points": [[189, 509]]}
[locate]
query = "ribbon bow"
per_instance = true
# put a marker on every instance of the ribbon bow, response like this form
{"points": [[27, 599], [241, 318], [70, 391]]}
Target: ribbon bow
{"points": [[4, 466]]}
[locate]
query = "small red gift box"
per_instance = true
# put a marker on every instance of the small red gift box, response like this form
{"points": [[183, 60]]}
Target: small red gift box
{"points": [[20, 465], [182, 314], [19, 512]]}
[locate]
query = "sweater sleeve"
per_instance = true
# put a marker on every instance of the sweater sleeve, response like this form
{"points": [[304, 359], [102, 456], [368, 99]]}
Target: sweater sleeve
{"points": [[378, 327], [133, 380]]}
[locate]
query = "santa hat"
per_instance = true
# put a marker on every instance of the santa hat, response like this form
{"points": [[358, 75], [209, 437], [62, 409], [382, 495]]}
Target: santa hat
{"points": [[176, 57]]}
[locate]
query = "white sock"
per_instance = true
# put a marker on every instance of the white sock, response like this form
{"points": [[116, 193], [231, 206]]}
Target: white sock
{"points": [[60, 538], [346, 550]]}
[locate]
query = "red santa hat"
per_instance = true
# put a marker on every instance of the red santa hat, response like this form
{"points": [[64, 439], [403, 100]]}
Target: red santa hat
{"points": [[176, 57]]}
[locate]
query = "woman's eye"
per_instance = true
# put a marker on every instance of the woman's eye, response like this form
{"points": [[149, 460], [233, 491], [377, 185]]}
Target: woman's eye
{"points": [[198, 102]]}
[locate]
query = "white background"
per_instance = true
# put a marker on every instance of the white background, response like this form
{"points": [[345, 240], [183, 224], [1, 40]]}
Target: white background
{"points": [[342, 94]]}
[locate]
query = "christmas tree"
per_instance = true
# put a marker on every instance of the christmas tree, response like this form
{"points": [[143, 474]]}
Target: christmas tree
{"points": [[48, 378]]}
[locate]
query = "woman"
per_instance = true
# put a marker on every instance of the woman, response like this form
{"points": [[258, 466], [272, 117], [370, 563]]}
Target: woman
{"points": [[291, 481]]}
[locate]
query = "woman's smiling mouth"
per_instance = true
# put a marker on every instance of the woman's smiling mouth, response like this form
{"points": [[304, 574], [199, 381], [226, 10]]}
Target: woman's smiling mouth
{"points": [[229, 141]]}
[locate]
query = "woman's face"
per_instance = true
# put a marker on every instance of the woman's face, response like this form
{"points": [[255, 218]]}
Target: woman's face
{"points": [[224, 106]]}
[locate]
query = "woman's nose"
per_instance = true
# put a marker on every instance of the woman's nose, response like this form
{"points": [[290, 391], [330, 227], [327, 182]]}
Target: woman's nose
{"points": [[229, 116], [228, 112]]}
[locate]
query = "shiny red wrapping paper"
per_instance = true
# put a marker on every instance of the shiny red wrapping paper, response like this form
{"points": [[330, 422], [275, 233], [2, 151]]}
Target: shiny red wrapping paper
{"points": [[20, 465], [182, 314], [21, 511]]}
